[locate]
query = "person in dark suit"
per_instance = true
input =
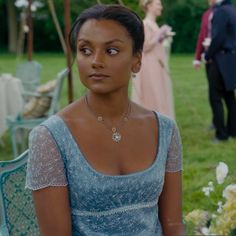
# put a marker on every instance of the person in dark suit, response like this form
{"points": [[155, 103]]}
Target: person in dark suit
{"points": [[204, 35], [221, 59], [203, 42]]}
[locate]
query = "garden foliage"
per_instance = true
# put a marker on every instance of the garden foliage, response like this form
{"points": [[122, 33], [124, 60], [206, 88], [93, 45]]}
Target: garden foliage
{"points": [[183, 15]]}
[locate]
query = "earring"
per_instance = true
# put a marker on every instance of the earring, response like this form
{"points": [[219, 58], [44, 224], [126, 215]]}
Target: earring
{"points": [[133, 75]]}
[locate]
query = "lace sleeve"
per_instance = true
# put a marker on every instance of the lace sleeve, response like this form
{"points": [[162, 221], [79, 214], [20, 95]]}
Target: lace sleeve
{"points": [[174, 156], [45, 166]]}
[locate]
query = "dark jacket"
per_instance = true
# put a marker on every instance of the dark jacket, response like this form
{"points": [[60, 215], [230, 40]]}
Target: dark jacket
{"points": [[223, 45]]}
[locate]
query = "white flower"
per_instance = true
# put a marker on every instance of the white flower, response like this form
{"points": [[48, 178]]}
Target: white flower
{"points": [[33, 8], [210, 183], [220, 209], [24, 3], [219, 222], [230, 192], [221, 172], [21, 3], [209, 189], [211, 186], [198, 217], [35, 5], [206, 191], [213, 216], [38, 4], [205, 231], [26, 28]]}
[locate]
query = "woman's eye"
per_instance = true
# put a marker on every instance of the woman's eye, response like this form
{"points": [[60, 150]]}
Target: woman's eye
{"points": [[86, 51], [112, 51]]}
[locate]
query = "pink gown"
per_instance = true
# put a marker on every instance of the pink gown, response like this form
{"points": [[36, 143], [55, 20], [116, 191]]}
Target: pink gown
{"points": [[152, 88]]}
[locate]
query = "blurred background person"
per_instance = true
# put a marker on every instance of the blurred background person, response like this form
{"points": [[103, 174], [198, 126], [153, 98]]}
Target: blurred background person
{"points": [[203, 42], [221, 57], [152, 86], [204, 36]]}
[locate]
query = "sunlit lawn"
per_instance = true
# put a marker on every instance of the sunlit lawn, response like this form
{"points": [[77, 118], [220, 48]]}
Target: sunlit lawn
{"points": [[193, 117]]}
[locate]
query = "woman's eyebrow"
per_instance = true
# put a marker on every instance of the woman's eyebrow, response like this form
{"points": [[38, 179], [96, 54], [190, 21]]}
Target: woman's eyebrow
{"points": [[114, 41], [83, 40], [108, 42]]}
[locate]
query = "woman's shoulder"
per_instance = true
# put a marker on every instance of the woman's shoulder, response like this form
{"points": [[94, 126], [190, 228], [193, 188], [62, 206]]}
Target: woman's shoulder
{"points": [[146, 114], [150, 24], [164, 118], [55, 124], [140, 112], [46, 131], [166, 122], [51, 123]]}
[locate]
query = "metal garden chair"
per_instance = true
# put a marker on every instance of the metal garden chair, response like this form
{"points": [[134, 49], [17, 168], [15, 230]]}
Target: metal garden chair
{"points": [[19, 122], [30, 75], [17, 214]]}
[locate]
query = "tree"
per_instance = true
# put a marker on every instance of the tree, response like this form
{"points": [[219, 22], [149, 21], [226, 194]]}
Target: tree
{"points": [[57, 25], [183, 15], [12, 26]]}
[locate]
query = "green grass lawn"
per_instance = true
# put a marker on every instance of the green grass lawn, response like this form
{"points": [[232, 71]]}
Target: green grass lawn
{"points": [[193, 117], [200, 155]]}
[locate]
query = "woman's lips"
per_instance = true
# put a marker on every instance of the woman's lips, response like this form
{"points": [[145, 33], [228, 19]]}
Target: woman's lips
{"points": [[98, 76]]}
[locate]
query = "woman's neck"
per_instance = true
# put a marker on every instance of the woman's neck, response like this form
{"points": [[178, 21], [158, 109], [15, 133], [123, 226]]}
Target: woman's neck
{"points": [[109, 107], [150, 16]]}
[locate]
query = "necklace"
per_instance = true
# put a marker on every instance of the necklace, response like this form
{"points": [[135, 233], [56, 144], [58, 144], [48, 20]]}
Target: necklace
{"points": [[116, 135]]}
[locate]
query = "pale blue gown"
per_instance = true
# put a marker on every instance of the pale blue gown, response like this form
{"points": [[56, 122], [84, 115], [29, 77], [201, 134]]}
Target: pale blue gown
{"points": [[102, 205]]}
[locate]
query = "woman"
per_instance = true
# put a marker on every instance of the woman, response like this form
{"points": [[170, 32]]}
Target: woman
{"points": [[104, 165], [152, 86]]}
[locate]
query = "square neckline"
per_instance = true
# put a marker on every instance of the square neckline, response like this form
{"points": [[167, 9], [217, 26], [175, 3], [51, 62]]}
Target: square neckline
{"points": [[101, 174]]}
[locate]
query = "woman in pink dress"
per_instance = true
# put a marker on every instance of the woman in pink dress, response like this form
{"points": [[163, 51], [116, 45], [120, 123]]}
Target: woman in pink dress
{"points": [[152, 85]]}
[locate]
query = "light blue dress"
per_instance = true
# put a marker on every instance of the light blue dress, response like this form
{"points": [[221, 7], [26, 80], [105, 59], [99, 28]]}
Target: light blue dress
{"points": [[102, 205]]}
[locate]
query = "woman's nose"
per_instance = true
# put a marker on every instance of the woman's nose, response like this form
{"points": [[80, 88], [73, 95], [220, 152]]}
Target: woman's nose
{"points": [[98, 61]]}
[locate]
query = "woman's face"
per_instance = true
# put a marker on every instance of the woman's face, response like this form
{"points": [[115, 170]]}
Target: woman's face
{"points": [[211, 2], [155, 7], [105, 56]]}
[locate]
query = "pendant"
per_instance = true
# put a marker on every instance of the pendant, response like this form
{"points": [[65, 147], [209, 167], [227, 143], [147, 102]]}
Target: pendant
{"points": [[100, 118], [116, 137]]}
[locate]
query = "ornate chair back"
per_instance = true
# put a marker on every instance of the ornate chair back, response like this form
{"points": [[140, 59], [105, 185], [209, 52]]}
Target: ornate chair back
{"points": [[17, 214]]}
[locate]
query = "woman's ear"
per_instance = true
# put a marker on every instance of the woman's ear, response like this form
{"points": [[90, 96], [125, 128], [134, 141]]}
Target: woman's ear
{"points": [[136, 66]]}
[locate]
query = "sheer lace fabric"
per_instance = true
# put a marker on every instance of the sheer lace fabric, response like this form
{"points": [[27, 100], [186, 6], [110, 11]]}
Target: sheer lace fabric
{"points": [[102, 204], [174, 157], [45, 166]]}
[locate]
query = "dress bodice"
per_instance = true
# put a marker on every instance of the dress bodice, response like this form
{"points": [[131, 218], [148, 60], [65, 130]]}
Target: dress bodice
{"points": [[102, 204]]}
